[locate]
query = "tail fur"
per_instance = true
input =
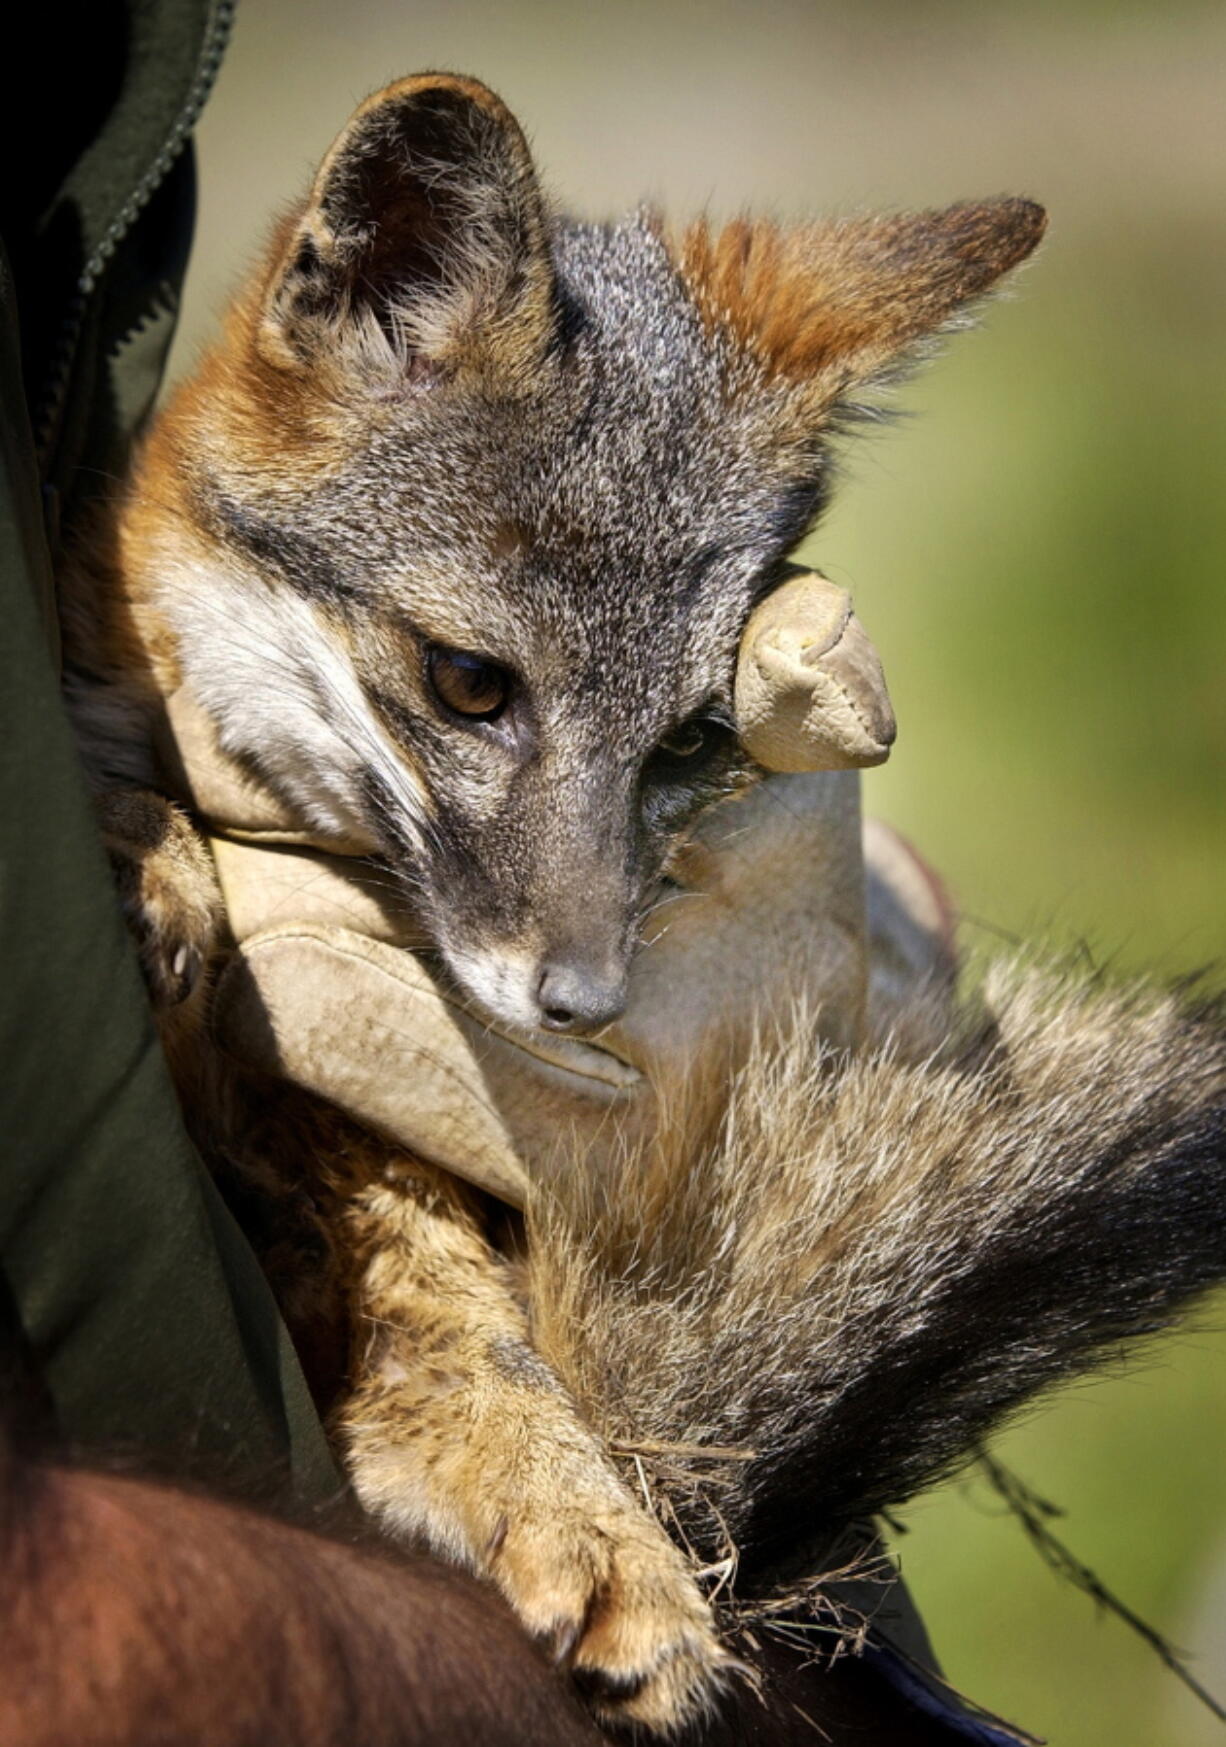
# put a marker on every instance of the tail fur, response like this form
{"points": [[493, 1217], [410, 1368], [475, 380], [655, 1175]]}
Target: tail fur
{"points": [[879, 1257]]}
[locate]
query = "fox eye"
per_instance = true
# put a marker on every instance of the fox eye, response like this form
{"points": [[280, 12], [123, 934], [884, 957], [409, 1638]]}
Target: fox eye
{"points": [[687, 741], [467, 684], [688, 748]]}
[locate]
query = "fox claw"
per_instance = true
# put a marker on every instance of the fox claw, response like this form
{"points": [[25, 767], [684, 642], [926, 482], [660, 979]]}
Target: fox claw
{"points": [[167, 889], [616, 1604]]}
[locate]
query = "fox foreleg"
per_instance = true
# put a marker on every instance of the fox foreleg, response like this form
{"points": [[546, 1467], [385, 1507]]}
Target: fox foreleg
{"points": [[459, 1434], [170, 898]]}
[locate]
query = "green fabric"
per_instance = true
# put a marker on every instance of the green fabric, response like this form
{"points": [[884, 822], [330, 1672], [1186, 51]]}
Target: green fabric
{"points": [[135, 1299], [119, 227]]}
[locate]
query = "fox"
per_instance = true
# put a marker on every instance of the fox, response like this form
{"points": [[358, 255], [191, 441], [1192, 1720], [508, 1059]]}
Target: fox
{"points": [[451, 536]]}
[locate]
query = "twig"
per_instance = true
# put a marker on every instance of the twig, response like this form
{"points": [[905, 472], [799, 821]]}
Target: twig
{"points": [[683, 1452], [1035, 1514]]}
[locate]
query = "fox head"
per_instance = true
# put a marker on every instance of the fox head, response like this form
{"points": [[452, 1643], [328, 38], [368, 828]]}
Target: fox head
{"points": [[475, 501]]}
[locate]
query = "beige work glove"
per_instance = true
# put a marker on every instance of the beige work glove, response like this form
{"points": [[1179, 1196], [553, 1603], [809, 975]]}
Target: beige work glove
{"points": [[778, 909]]}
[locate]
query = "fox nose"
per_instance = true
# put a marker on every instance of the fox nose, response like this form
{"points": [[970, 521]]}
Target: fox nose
{"points": [[574, 998]]}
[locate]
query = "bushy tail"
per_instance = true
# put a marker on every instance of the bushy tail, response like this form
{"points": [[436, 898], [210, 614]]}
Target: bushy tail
{"points": [[878, 1258]]}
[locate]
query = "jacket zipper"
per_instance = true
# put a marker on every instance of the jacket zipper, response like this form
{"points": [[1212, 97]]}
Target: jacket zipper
{"points": [[217, 35]]}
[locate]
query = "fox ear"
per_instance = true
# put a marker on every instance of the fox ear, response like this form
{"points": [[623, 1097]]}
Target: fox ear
{"points": [[828, 308], [423, 240]]}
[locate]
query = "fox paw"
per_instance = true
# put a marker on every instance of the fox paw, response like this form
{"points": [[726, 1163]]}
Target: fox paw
{"points": [[611, 1597], [168, 890]]}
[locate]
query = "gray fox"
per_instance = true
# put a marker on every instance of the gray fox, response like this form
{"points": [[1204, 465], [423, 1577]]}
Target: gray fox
{"points": [[454, 467], [452, 537]]}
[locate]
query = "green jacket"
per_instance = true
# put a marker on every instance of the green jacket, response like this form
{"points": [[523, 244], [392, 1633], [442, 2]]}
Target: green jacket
{"points": [[137, 1315]]}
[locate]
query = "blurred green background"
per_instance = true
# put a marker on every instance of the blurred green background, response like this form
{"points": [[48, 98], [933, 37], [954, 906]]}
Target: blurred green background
{"points": [[1040, 557]]}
